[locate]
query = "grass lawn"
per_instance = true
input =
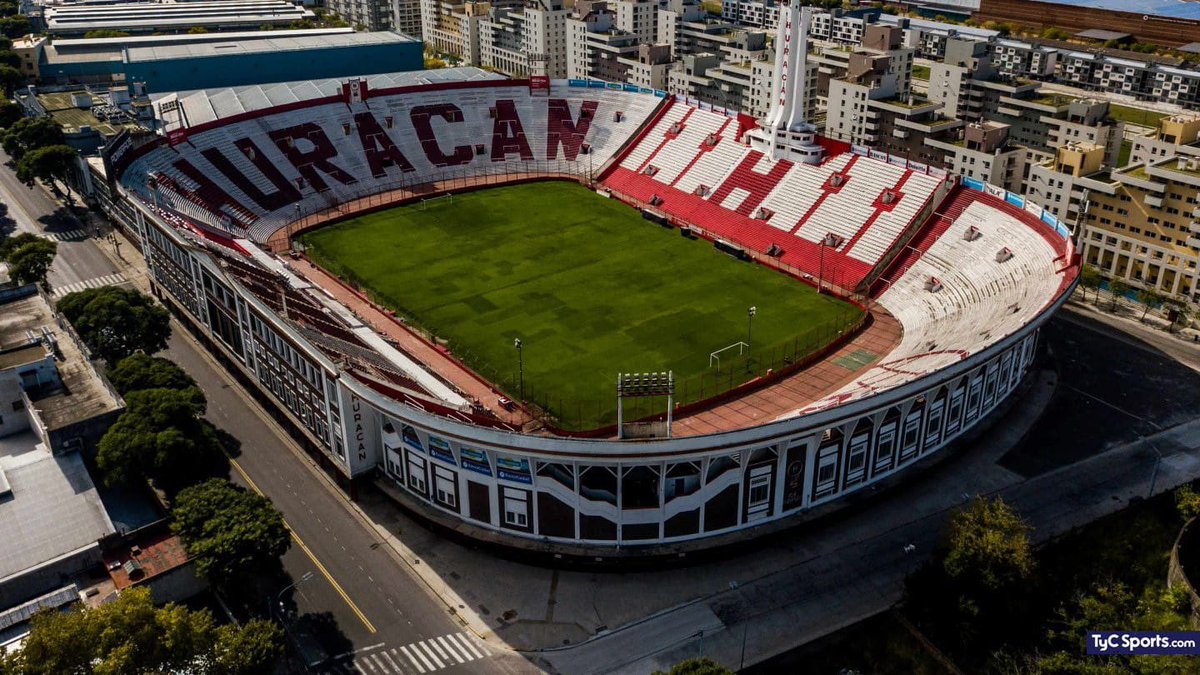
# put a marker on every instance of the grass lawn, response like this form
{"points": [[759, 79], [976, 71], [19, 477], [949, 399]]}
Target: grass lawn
{"points": [[1145, 118], [920, 72], [589, 287]]}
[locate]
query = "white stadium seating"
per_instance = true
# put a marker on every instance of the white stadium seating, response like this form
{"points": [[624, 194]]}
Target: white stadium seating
{"points": [[337, 121]]}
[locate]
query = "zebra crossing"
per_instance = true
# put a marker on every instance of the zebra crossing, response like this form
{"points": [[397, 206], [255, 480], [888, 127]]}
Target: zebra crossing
{"points": [[426, 656], [66, 235], [106, 280]]}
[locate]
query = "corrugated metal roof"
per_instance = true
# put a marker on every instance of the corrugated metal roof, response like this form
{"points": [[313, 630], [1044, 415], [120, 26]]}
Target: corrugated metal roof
{"points": [[211, 104], [287, 44]]}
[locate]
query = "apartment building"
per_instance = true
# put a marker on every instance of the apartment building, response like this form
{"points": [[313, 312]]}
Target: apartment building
{"points": [[879, 70], [1142, 79], [1142, 224], [453, 27], [758, 13], [1063, 182], [1177, 135], [983, 152], [733, 85], [522, 40], [376, 15]]}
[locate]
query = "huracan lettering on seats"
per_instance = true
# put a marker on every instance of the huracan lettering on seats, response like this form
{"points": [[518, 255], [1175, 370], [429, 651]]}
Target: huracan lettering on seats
{"points": [[308, 163], [211, 194], [561, 129], [508, 136], [285, 193], [378, 147], [421, 117]]}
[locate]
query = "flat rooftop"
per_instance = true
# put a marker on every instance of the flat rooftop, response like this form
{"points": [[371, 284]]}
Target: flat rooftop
{"points": [[83, 395], [213, 48], [58, 105], [148, 16], [53, 508], [147, 556]]}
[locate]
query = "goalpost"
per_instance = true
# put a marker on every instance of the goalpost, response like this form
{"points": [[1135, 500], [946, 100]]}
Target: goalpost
{"points": [[716, 356], [434, 201]]}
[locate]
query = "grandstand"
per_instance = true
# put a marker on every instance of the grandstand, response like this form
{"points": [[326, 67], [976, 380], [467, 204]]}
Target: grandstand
{"points": [[957, 277]]}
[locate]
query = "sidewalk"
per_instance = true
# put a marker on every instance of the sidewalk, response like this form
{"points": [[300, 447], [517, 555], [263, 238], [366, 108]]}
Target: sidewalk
{"points": [[831, 590]]}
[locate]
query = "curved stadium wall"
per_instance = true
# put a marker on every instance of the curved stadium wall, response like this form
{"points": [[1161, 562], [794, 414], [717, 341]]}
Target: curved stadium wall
{"points": [[574, 496]]}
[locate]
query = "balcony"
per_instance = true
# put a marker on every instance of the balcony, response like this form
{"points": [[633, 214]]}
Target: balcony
{"points": [[1194, 227], [1153, 200]]}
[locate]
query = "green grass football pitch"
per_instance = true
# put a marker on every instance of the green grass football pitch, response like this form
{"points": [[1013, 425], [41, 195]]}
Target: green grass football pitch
{"points": [[589, 287]]}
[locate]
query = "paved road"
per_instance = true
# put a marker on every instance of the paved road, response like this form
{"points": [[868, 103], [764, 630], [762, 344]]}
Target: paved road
{"points": [[79, 263], [377, 606], [360, 610]]}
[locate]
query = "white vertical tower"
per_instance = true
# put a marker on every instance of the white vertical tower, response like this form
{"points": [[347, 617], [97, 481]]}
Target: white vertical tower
{"points": [[791, 55], [786, 134]]}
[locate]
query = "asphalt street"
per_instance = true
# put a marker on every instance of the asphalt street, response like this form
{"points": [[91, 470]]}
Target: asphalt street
{"points": [[355, 606]]}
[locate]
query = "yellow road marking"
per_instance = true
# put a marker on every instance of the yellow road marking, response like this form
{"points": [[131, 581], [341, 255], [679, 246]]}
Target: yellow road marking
{"points": [[307, 551]]}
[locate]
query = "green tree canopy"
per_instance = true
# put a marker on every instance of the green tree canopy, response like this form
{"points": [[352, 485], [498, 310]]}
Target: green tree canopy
{"points": [[47, 164], [698, 666], [10, 78], [989, 547], [28, 256], [160, 436], [30, 133], [117, 322], [131, 635], [141, 371], [228, 530], [15, 26], [1089, 279], [9, 58], [1117, 288], [10, 112], [1149, 298]]}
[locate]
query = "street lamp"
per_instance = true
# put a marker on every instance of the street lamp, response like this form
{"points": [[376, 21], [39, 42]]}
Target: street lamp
{"points": [[520, 366], [279, 597]]}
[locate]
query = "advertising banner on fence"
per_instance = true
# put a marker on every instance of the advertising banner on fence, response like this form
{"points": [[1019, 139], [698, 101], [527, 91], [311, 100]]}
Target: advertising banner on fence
{"points": [[859, 149], [972, 183], [917, 166], [1014, 199]]}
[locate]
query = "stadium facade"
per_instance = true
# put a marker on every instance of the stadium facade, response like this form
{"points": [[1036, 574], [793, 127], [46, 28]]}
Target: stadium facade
{"points": [[958, 277]]}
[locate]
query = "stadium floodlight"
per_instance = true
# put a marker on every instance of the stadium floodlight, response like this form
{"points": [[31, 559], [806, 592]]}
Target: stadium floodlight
{"points": [[520, 365], [750, 330]]}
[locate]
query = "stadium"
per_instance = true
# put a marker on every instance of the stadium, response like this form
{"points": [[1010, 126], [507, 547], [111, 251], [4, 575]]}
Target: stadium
{"points": [[587, 318]]}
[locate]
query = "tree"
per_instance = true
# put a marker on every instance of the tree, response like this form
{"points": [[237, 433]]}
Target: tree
{"points": [[1180, 313], [252, 648], [10, 78], [698, 666], [989, 547], [1117, 288], [15, 26], [30, 133], [10, 112], [116, 322], [131, 635], [229, 531], [160, 437], [140, 371], [9, 58], [1090, 279], [1149, 298], [47, 164], [28, 256], [985, 573]]}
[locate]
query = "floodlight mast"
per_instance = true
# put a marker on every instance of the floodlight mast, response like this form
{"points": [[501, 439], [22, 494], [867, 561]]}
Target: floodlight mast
{"points": [[642, 385]]}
